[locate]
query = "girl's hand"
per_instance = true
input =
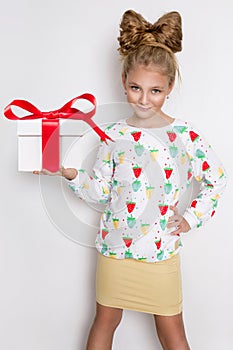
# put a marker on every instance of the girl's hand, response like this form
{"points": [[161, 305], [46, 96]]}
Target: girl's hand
{"points": [[178, 222], [69, 173]]}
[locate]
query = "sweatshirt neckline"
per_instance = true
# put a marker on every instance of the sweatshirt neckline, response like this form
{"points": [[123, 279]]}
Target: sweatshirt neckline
{"points": [[170, 125]]}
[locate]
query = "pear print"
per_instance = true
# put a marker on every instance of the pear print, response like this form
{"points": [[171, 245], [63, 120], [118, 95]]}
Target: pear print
{"points": [[154, 153], [121, 157], [115, 223], [144, 228]]}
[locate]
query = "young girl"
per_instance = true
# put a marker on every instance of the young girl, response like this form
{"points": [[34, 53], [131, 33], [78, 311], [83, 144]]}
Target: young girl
{"points": [[141, 177]]}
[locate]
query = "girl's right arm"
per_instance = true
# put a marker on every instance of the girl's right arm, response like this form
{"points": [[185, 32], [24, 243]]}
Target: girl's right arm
{"points": [[95, 188]]}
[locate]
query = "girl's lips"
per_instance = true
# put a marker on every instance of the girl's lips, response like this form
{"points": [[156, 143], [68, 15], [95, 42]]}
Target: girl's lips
{"points": [[143, 109]]}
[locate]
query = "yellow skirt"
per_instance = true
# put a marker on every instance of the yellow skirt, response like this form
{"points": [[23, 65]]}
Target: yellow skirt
{"points": [[137, 285]]}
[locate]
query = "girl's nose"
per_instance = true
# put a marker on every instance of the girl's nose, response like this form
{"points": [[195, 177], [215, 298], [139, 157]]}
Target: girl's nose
{"points": [[143, 100]]}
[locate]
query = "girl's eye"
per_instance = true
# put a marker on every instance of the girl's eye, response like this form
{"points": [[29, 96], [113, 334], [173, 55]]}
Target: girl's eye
{"points": [[155, 91], [135, 88]]}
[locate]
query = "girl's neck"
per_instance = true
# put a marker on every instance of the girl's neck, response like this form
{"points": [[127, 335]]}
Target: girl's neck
{"points": [[157, 121]]}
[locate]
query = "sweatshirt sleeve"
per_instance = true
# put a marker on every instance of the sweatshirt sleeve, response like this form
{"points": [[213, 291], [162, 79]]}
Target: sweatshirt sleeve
{"points": [[95, 188], [208, 170]]}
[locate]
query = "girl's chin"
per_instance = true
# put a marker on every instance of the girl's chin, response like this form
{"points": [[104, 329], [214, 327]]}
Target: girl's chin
{"points": [[144, 114], [142, 109]]}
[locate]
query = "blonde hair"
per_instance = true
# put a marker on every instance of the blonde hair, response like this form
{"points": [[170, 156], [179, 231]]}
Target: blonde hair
{"points": [[151, 44]]}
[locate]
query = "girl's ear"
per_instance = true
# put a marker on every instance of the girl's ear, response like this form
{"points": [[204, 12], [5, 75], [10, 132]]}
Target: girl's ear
{"points": [[171, 86], [123, 78]]}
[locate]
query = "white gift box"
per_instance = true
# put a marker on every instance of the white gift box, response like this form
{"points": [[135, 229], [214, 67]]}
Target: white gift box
{"points": [[30, 141], [30, 134]]}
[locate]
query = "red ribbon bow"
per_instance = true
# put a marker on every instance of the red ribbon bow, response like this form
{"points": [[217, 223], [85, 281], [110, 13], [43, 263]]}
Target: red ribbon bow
{"points": [[50, 125]]}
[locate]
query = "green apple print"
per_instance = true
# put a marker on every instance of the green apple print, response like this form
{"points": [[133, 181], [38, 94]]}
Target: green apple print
{"points": [[136, 185], [200, 154], [72, 187], [114, 183], [111, 126], [131, 221], [163, 224], [215, 202], [104, 248], [139, 149], [200, 224], [167, 187], [180, 243], [160, 255], [128, 254], [180, 128], [173, 151], [103, 201], [108, 214]]}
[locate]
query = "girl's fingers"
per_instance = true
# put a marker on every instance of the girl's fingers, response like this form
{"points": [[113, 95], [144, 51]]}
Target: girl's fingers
{"points": [[174, 208], [177, 232], [46, 172], [174, 218]]}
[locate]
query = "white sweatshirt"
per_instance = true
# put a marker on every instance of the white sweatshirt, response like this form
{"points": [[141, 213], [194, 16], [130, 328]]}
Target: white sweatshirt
{"points": [[138, 176]]}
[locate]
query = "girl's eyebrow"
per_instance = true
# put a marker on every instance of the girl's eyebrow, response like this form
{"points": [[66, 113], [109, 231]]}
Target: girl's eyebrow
{"points": [[153, 87]]}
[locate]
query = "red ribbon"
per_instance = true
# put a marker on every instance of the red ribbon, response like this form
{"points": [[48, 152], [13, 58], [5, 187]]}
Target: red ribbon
{"points": [[50, 125]]}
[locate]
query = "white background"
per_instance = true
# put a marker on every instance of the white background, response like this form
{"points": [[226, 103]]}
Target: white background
{"points": [[52, 51]]}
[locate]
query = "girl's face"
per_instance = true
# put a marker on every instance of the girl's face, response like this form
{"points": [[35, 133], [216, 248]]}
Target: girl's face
{"points": [[146, 90]]}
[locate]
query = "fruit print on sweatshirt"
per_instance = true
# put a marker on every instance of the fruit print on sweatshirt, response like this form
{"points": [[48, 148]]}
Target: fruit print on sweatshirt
{"points": [[138, 177]]}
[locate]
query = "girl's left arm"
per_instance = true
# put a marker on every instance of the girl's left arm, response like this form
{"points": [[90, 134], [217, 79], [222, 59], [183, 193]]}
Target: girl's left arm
{"points": [[209, 171]]}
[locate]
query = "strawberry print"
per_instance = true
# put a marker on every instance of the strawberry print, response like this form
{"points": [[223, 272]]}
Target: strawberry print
{"points": [[189, 174], [137, 171], [104, 233], [168, 172], [130, 206], [127, 241], [171, 135], [136, 135], [194, 203], [158, 243], [163, 208], [193, 136], [205, 166]]}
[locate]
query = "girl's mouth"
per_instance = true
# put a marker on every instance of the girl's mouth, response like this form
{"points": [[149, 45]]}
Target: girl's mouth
{"points": [[143, 109]]}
